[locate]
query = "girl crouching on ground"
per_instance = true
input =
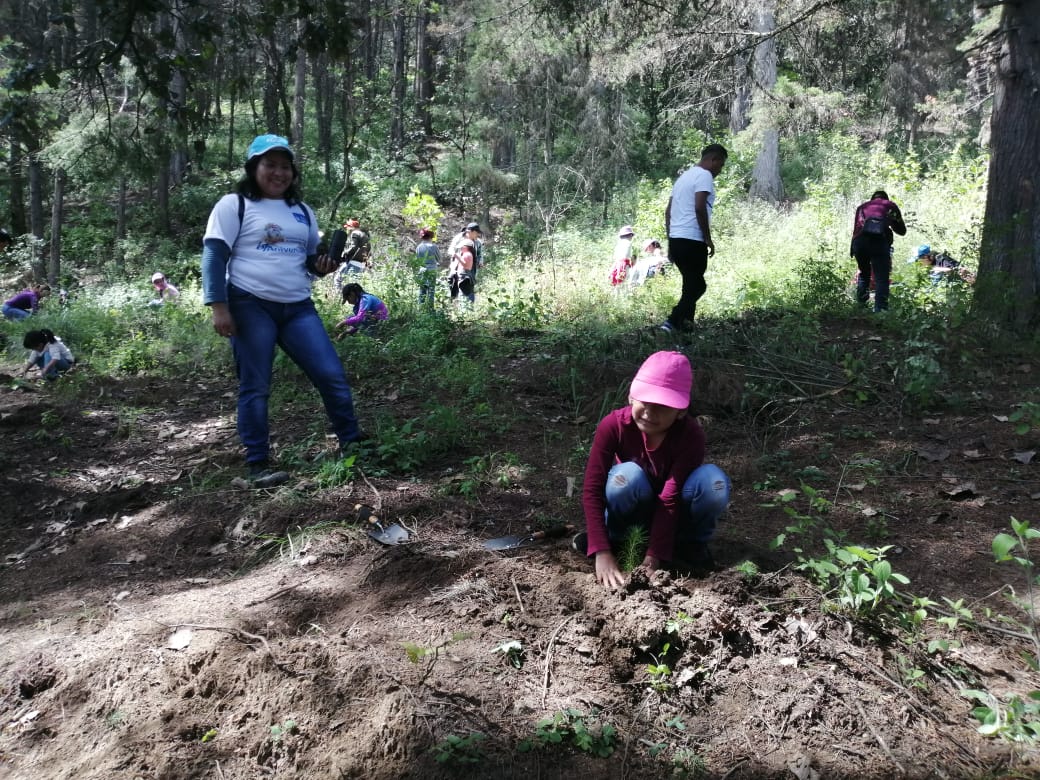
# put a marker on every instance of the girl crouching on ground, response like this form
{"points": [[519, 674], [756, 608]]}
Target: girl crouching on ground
{"points": [[49, 354], [646, 467], [369, 311]]}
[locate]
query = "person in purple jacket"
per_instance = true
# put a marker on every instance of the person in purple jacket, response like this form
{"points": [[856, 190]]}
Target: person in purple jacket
{"points": [[646, 467], [25, 303], [369, 311]]}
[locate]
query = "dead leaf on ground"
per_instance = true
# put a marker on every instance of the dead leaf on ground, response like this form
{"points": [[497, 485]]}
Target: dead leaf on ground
{"points": [[1000, 417], [1025, 457], [180, 639], [960, 492], [931, 421], [933, 455], [973, 454]]}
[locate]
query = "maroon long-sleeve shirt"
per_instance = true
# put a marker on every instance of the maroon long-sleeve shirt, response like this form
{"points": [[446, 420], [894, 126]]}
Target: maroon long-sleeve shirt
{"points": [[618, 440]]}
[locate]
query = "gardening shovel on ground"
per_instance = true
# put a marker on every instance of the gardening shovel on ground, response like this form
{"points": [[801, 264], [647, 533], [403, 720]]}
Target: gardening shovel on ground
{"points": [[384, 534], [523, 540]]}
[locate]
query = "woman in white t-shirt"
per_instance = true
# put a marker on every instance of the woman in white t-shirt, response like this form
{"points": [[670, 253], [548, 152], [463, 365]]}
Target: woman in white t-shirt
{"points": [[259, 256]]}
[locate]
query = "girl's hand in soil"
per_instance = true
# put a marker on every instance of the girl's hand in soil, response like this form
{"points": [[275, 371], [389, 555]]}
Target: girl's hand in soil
{"points": [[607, 571], [650, 563]]}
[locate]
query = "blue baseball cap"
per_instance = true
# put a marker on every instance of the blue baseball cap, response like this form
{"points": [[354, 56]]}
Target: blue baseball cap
{"points": [[263, 144]]}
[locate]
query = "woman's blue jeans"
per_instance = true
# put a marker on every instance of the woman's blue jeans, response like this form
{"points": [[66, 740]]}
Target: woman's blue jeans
{"points": [[14, 313], [631, 500], [300, 332]]}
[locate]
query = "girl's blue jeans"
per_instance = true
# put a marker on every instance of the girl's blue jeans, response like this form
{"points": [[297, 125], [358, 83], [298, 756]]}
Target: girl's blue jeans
{"points": [[60, 367], [632, 501], [299, 331]]}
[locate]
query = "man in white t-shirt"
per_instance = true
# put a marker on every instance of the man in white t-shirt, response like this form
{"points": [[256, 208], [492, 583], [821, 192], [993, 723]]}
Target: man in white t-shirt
{"points": [[687, 219]]}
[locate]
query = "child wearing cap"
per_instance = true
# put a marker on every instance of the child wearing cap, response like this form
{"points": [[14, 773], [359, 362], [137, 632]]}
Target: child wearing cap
{"points": [[646, 467], [167, 292]]}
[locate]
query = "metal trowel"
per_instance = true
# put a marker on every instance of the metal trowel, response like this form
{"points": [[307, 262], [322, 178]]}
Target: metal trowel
{"points": [[523, 540], [384, 534]]}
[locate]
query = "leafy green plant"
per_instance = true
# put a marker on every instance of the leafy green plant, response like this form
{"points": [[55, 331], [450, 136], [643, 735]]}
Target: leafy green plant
{"points": [[280, 730], [675, 623], [804, 523], [1014, 548], [335, 472], [501, 469], [456, 750], [1026, 417], [571, 726], [660, 673], [862, 578], [421, 210], [1013, 720], [687, 764]]}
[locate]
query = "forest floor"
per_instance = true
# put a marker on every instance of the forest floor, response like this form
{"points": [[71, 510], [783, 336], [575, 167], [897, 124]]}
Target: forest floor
{"points": [[160, 621]]}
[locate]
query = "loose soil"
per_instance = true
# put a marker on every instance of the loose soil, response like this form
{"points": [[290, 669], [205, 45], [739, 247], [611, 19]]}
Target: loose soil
{"points": [[161, 622]]}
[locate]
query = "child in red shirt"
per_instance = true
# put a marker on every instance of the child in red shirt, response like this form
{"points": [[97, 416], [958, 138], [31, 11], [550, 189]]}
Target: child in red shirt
{"points": [[646, 467]]}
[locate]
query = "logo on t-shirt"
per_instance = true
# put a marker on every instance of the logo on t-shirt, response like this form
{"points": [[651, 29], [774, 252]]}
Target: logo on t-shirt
{"points": [[273, 234]]}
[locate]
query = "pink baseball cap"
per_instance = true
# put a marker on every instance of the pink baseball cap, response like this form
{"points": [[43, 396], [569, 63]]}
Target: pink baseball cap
{"points": [[665, 378]]}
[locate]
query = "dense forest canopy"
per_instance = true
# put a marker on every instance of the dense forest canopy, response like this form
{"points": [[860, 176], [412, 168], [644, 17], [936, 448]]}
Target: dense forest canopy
{"points": [[123, 120]]}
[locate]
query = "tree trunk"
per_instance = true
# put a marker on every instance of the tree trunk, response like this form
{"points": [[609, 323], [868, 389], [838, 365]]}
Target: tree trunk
{"points": [[36, 212], [162, 199], [57, 206], [323, 110], [1009, 264], [424, 84], [398, 85], [300, 87], [121, 224], [741, 102], [19, 220], [765, 178]]}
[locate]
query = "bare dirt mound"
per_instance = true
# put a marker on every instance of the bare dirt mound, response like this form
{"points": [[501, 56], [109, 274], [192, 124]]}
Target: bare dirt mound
{"points": [[161, 623]]}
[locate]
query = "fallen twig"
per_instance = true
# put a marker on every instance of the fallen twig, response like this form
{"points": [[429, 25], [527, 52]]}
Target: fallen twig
{"points": [[238, 632], [878, 737], [278, 593], [378, 503], [548, 658], [516, 590]]}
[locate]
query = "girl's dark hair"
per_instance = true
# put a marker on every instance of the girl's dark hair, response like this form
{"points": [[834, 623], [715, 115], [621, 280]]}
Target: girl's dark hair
{"points": [[879, 194], [248, 187], [37, 338], [352, 288]]}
